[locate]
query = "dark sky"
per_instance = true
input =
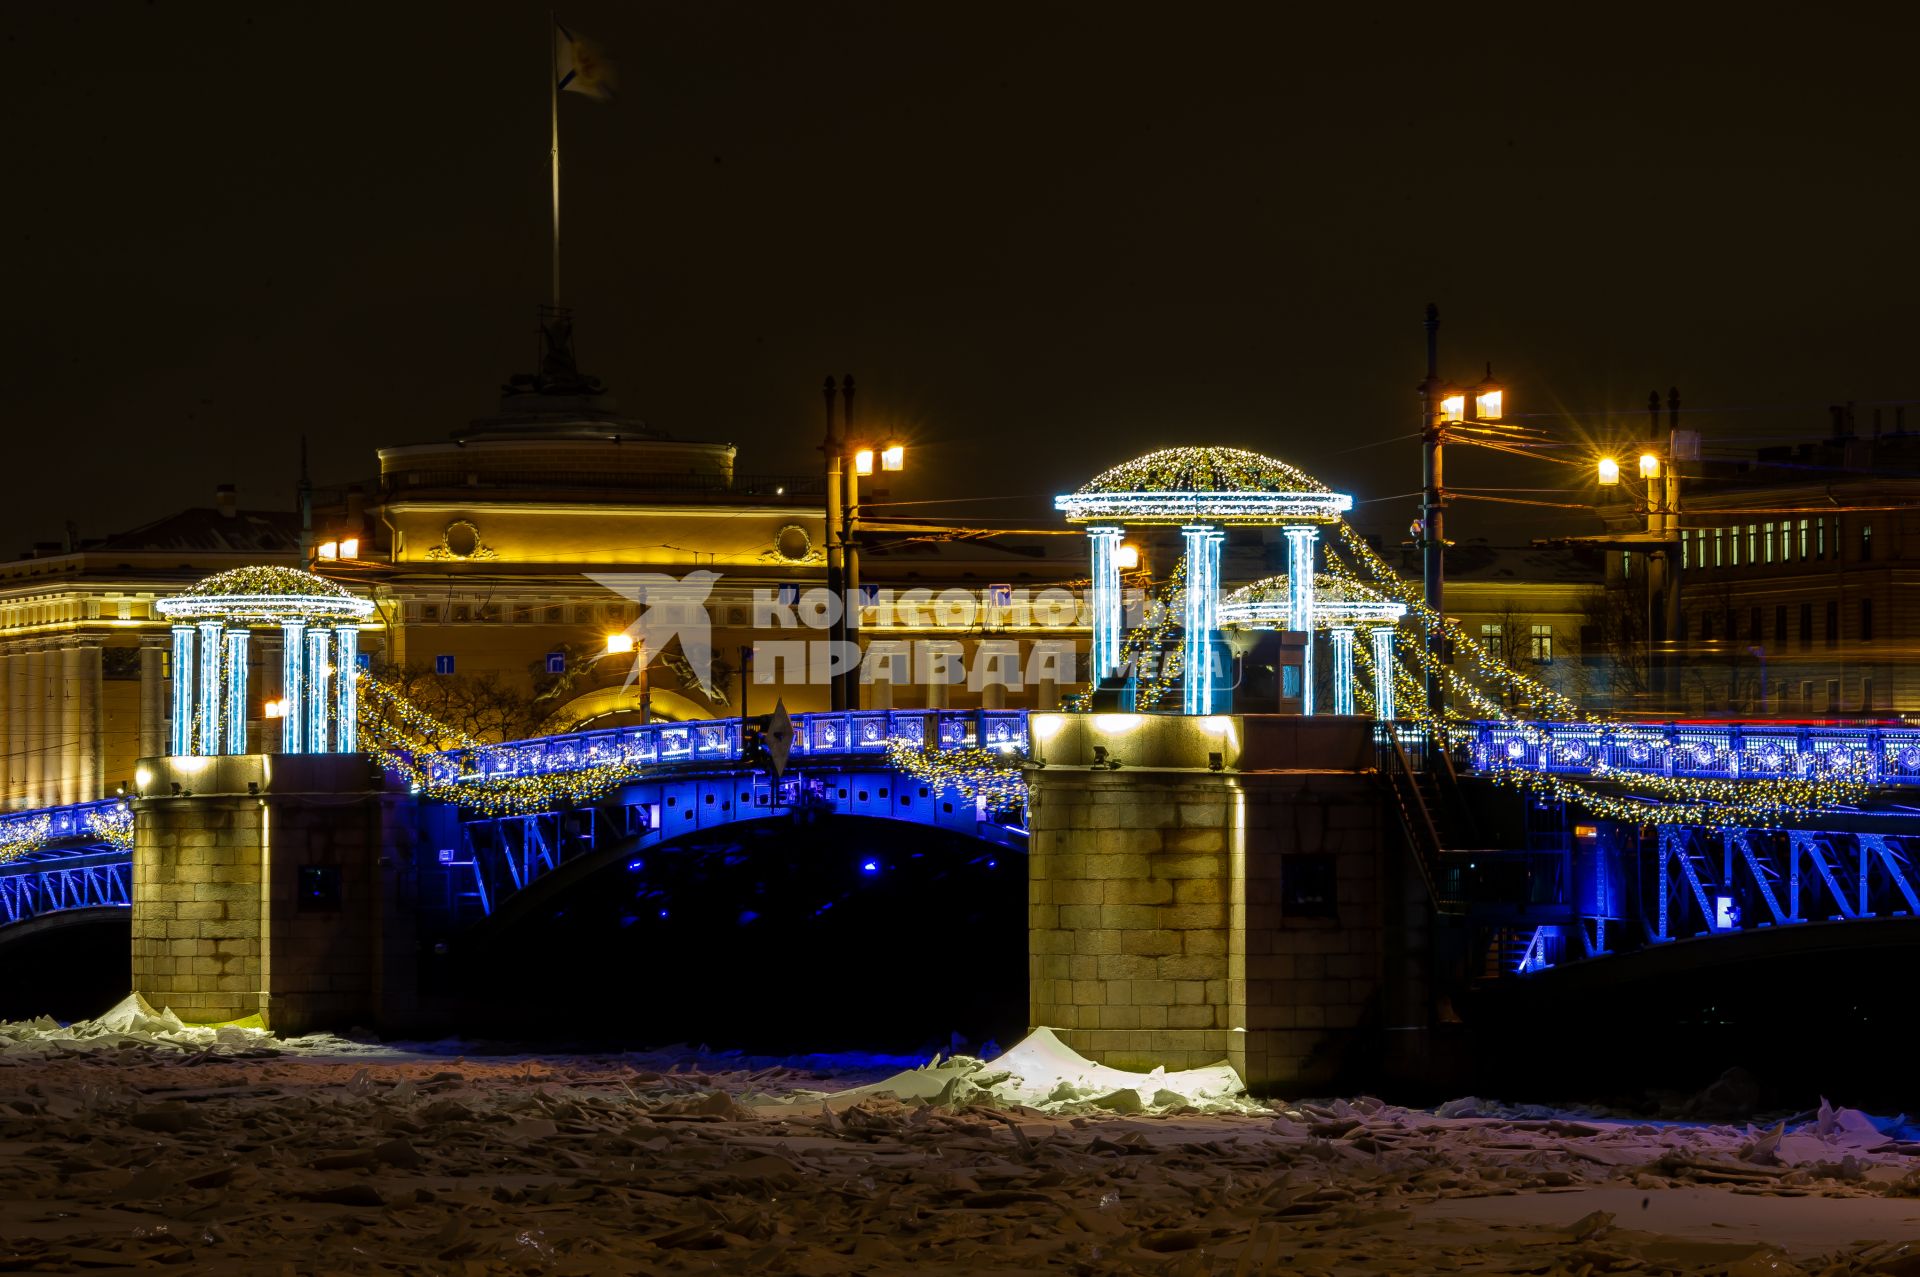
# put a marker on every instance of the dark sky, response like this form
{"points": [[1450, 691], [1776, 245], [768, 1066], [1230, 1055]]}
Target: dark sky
{"points": [[1044, 237]]}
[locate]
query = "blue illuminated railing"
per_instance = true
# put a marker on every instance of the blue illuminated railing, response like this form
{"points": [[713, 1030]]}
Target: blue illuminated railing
{"points": [[717, 741], [1870, 755], [26, 836]]}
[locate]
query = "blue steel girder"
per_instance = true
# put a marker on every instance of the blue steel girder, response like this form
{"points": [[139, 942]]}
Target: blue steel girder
{"points": [[1764, 875], [1821, 851], [57, 888], [1677, 848], [501, 855], [1897, 864]]}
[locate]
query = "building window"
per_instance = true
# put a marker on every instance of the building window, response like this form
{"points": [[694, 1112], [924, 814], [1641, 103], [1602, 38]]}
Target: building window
{"points": [[1706, 627], [443, 665], [1780, 624], [1769, 543], [1833, 622], [1753, 543], [1626, 565], [1804, 529], [1540, 645], [1806, 696], [1786, 541], [1820, 539], [1833, 696], [1866, 693], [1806, 625], [1686, 550], [1754, 631], [1729, 628], [1719, 547], [319, 889], [1307, 886], [1866, 543], [1735, 538], [1866, 620]]}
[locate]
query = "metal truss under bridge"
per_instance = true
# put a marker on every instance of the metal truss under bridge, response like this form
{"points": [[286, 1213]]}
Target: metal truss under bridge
{"points": [[71, 860]]}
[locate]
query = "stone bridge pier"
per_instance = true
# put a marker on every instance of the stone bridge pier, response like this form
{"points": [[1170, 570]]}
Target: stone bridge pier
{"points": [[1234, 888], [274, 884]]}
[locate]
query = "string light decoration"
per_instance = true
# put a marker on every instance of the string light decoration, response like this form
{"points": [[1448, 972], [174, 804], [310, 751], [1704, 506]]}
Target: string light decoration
{"points": [[264, 594], [1186, 485], [988, 775], [109, 821]]}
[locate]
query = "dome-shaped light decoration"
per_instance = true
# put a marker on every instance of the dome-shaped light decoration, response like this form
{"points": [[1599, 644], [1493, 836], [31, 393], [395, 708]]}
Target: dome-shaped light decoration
{"points": [[1220, 485], [267, 595]]}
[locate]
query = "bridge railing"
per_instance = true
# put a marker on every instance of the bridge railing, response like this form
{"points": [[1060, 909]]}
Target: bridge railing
{"points": [[718, 741], [1729, 751], [24, 832]]}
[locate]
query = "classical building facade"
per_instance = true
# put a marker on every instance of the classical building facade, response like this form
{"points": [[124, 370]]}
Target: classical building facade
{"points": [[84, 656], [1792, 595]]}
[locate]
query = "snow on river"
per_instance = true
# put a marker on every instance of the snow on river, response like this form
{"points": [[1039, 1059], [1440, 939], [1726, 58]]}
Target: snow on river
{"points": [[133, 1140]]}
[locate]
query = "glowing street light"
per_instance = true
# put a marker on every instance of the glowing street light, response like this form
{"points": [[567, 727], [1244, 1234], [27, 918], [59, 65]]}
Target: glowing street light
{"points": [[1609, 472], [619, 643], [274, 709], [1127, 557], [893, 456], [1649, 466], [1453, 407], [863, 461]]}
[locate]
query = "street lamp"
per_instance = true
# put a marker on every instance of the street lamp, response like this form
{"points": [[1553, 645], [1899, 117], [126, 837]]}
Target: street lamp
{"points": [[619, 643], [1649, 466], [1127, 557], [1473, 416], [1609, 473], [893, 457]]}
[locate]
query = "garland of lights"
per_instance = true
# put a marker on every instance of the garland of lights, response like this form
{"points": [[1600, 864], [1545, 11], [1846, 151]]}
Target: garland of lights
{"points": [[26, 835], [1795, 800], [988, 775]]}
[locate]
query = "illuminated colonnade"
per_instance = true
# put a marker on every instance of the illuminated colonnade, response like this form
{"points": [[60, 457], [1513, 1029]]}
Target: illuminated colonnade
{"points": [[319, 625], [1202, 491], [1340, 607]]}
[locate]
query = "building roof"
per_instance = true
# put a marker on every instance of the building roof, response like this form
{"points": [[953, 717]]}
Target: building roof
{"points": [[207, 530]]}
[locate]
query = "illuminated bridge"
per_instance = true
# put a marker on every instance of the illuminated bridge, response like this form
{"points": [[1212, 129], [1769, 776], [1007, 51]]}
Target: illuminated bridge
{"points": [[676, 779], [1538, 882]]}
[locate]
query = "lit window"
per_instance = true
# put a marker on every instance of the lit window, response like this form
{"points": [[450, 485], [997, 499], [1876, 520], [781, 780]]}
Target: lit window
{"points": [[1540, 645], [1804, 529], [1719, 547], [1753, 543], [1769, 543], [1866, 543]]}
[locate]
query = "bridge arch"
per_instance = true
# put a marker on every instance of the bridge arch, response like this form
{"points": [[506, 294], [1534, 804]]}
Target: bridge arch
{"points": [[501, 858]]}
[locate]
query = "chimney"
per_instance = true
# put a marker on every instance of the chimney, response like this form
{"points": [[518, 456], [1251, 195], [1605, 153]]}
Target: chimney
{"points": [[226, 501]]}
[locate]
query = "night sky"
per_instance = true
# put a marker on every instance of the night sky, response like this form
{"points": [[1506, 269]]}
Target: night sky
{"points": [[1044, 237]]}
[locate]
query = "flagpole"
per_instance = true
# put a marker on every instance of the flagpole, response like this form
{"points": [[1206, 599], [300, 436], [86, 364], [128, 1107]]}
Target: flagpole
{"points": [[553, 102]]}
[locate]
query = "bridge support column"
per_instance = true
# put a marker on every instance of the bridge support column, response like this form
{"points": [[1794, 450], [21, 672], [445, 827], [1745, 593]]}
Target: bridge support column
{"points": [[280, 886], [1264, 913]]}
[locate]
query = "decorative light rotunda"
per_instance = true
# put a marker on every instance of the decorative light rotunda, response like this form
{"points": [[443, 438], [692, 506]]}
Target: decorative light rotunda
{"points": [[320, 634], [1201, 491], [1339, 607]]}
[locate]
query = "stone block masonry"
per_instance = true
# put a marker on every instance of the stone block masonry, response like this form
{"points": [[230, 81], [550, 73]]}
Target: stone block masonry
{"points": [[273, 885], [1180, 915]]}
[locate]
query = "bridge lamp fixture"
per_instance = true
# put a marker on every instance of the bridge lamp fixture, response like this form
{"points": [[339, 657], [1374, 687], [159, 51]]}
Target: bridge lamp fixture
{"points": [[1487, 401], [893, 455], [1609, 475], [863, 461], [619, 643], [1453, 407], [274, 709], [1127, 557], [1649, 466], [328, 550]]}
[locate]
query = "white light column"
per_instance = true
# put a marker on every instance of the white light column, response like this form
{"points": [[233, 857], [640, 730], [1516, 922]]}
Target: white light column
{"points": [[209, 697], [1201, 616], [1383, 674], [346, 655], [236, 691], [1103, 597], [293, 685], [1301, 538], [317, 706], [180, 733], [1342, 636]]}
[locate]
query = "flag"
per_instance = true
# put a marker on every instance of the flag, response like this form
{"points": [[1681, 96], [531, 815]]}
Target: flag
{"points": [[579, 68]]}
